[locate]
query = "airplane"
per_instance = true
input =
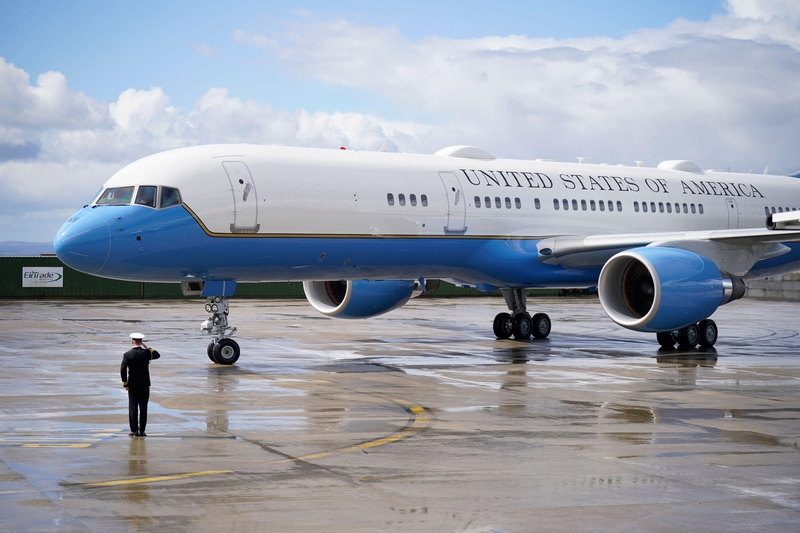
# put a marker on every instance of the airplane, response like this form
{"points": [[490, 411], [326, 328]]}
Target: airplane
{"points": [[366, 231]]}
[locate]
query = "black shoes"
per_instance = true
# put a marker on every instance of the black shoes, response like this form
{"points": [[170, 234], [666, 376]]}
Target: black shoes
{"points": [[137, 434]]}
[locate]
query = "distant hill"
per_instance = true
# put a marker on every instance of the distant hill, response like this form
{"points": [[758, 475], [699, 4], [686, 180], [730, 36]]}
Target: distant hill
{"points": [[18, 248]]}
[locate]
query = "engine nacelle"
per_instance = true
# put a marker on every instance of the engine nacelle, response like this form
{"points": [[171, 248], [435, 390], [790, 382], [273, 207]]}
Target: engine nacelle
{"points": [[662, 289], [357, 299]]}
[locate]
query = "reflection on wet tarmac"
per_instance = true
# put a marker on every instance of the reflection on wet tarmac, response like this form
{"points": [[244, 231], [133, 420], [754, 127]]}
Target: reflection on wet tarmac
{"points": [[405, 422]]}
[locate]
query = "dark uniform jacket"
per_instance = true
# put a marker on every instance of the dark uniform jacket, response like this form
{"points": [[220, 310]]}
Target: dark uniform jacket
{"points": [[135, 369]]}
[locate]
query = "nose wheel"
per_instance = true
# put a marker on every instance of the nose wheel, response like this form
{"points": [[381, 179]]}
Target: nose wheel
{"points": [[222, 350]]}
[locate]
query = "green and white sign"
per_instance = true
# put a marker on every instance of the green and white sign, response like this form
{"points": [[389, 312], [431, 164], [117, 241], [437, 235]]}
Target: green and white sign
{"points": [[42, 276]]}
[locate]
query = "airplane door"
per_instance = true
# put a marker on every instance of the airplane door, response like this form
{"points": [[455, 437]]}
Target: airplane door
{"points": [[456, 205], [733, 214], [245, 199]]}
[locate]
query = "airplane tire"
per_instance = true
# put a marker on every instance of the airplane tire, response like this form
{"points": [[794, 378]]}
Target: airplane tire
{"points": [[226, 352], [503, 326], [708, 333], [541, 325], [665, 339], [522, 326], [689, 336], [210, 351]]}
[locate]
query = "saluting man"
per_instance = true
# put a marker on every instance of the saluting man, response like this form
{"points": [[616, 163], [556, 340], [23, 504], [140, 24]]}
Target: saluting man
{"points": [[135, 372]]}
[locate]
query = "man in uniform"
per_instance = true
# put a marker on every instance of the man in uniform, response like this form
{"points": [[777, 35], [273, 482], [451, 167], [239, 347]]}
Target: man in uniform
{"points": [[135, 372]]}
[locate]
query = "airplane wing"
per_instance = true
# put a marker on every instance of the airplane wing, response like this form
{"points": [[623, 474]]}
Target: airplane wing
{"points": [[732, 250]]}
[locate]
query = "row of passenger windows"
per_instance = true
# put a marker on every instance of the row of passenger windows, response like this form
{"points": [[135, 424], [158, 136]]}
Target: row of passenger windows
{"points": [[145, 195], [661, 207], [412, 199], [767, 210], [591, 205], [498, 202]]}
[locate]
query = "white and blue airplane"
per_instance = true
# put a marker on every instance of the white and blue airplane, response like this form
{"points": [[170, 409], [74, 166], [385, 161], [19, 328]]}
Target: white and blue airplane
{"points": [[366, 231]]}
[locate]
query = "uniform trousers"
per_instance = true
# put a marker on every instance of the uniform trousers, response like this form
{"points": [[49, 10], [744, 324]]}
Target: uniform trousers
{"points": [[137, 408]]}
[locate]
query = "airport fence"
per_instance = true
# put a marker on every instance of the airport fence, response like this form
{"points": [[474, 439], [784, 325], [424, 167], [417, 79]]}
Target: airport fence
{"points": [[46, 277]]}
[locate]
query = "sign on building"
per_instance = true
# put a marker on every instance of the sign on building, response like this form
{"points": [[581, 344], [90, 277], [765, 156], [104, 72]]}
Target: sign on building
{"points": [[42, 276]]}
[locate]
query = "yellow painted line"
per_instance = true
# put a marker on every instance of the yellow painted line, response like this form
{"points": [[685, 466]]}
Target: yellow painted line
{"points": [[421, 420], [156, 479], [85, 445]]}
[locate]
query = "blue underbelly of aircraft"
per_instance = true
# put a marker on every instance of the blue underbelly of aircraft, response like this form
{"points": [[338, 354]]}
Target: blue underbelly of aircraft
{"points": [[141, 244]]}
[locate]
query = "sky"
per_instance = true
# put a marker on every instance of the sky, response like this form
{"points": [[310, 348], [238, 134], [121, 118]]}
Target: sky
{"points": [[87, 87]]}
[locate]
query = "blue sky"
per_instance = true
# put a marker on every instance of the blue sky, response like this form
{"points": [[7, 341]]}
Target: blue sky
{"points": [[106, 47], [87, 87]]}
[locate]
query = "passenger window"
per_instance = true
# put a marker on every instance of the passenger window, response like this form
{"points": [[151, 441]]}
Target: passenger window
{"points": [[766, 210], [619, 205], [773, 210], [487, 202], [390, 198], [602, 205], [518, 203], [677, 207], [669, 207], [169, 197], [700, 208], [636, 206], [660, 207], [583, 205], [652, 207], [116, 196], [685, 210], [693, 209], [413, 199], [477, 201], [424, 199], [565, 203], [574, 205], [497, 202], [401, 199], [146, 195], [611, 205], [537, 203], [555, 204], [508, 202], [644, 207], [592, 205]]}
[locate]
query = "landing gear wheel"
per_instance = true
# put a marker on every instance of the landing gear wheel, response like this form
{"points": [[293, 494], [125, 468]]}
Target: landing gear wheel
{"points": [[689, 336], [210, 351], [502, 326], [522, 326], [226, 352], [541, 325], [708, 333], [665, 339]]}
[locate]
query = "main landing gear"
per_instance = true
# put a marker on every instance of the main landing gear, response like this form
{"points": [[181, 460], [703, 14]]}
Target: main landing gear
{"points": [[519, 323], [703, 333], [222, 349]]}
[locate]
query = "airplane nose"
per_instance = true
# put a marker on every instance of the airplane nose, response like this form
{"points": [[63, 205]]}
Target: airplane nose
{"points": [[84, 242]]}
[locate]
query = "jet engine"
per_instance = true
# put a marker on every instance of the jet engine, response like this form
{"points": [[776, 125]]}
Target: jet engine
{"points": [[662, 289], [358, 299]]}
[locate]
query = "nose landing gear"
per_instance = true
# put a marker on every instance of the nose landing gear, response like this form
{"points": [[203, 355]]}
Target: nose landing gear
{"points": [[222, 349]]}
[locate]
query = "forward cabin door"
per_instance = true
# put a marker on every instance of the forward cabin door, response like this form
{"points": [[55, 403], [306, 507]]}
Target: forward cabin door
{"points": [[456, 205], [245, 199]]}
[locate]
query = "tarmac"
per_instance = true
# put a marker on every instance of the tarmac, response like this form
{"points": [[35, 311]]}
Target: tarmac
{"points": [[418, 420]]}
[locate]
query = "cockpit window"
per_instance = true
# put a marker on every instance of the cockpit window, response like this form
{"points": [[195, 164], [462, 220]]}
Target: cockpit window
{"points": [[116, 196], [146, 195], [169, 197]]}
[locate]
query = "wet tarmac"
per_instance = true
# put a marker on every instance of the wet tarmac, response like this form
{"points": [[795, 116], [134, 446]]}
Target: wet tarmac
{"points": [[419, 420]]}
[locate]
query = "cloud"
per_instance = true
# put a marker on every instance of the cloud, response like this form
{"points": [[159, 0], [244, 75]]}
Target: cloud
{"points": [[723, 92]]}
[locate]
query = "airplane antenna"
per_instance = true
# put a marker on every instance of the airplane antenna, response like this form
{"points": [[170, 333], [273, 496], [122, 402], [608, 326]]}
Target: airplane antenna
{"points": [[639, 163], [766, 169], [385, 145], [581, 160], [750, 171]]}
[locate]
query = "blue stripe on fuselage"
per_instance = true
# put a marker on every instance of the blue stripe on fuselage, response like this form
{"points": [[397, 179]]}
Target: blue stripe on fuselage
{"points": [[173, 247]]}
